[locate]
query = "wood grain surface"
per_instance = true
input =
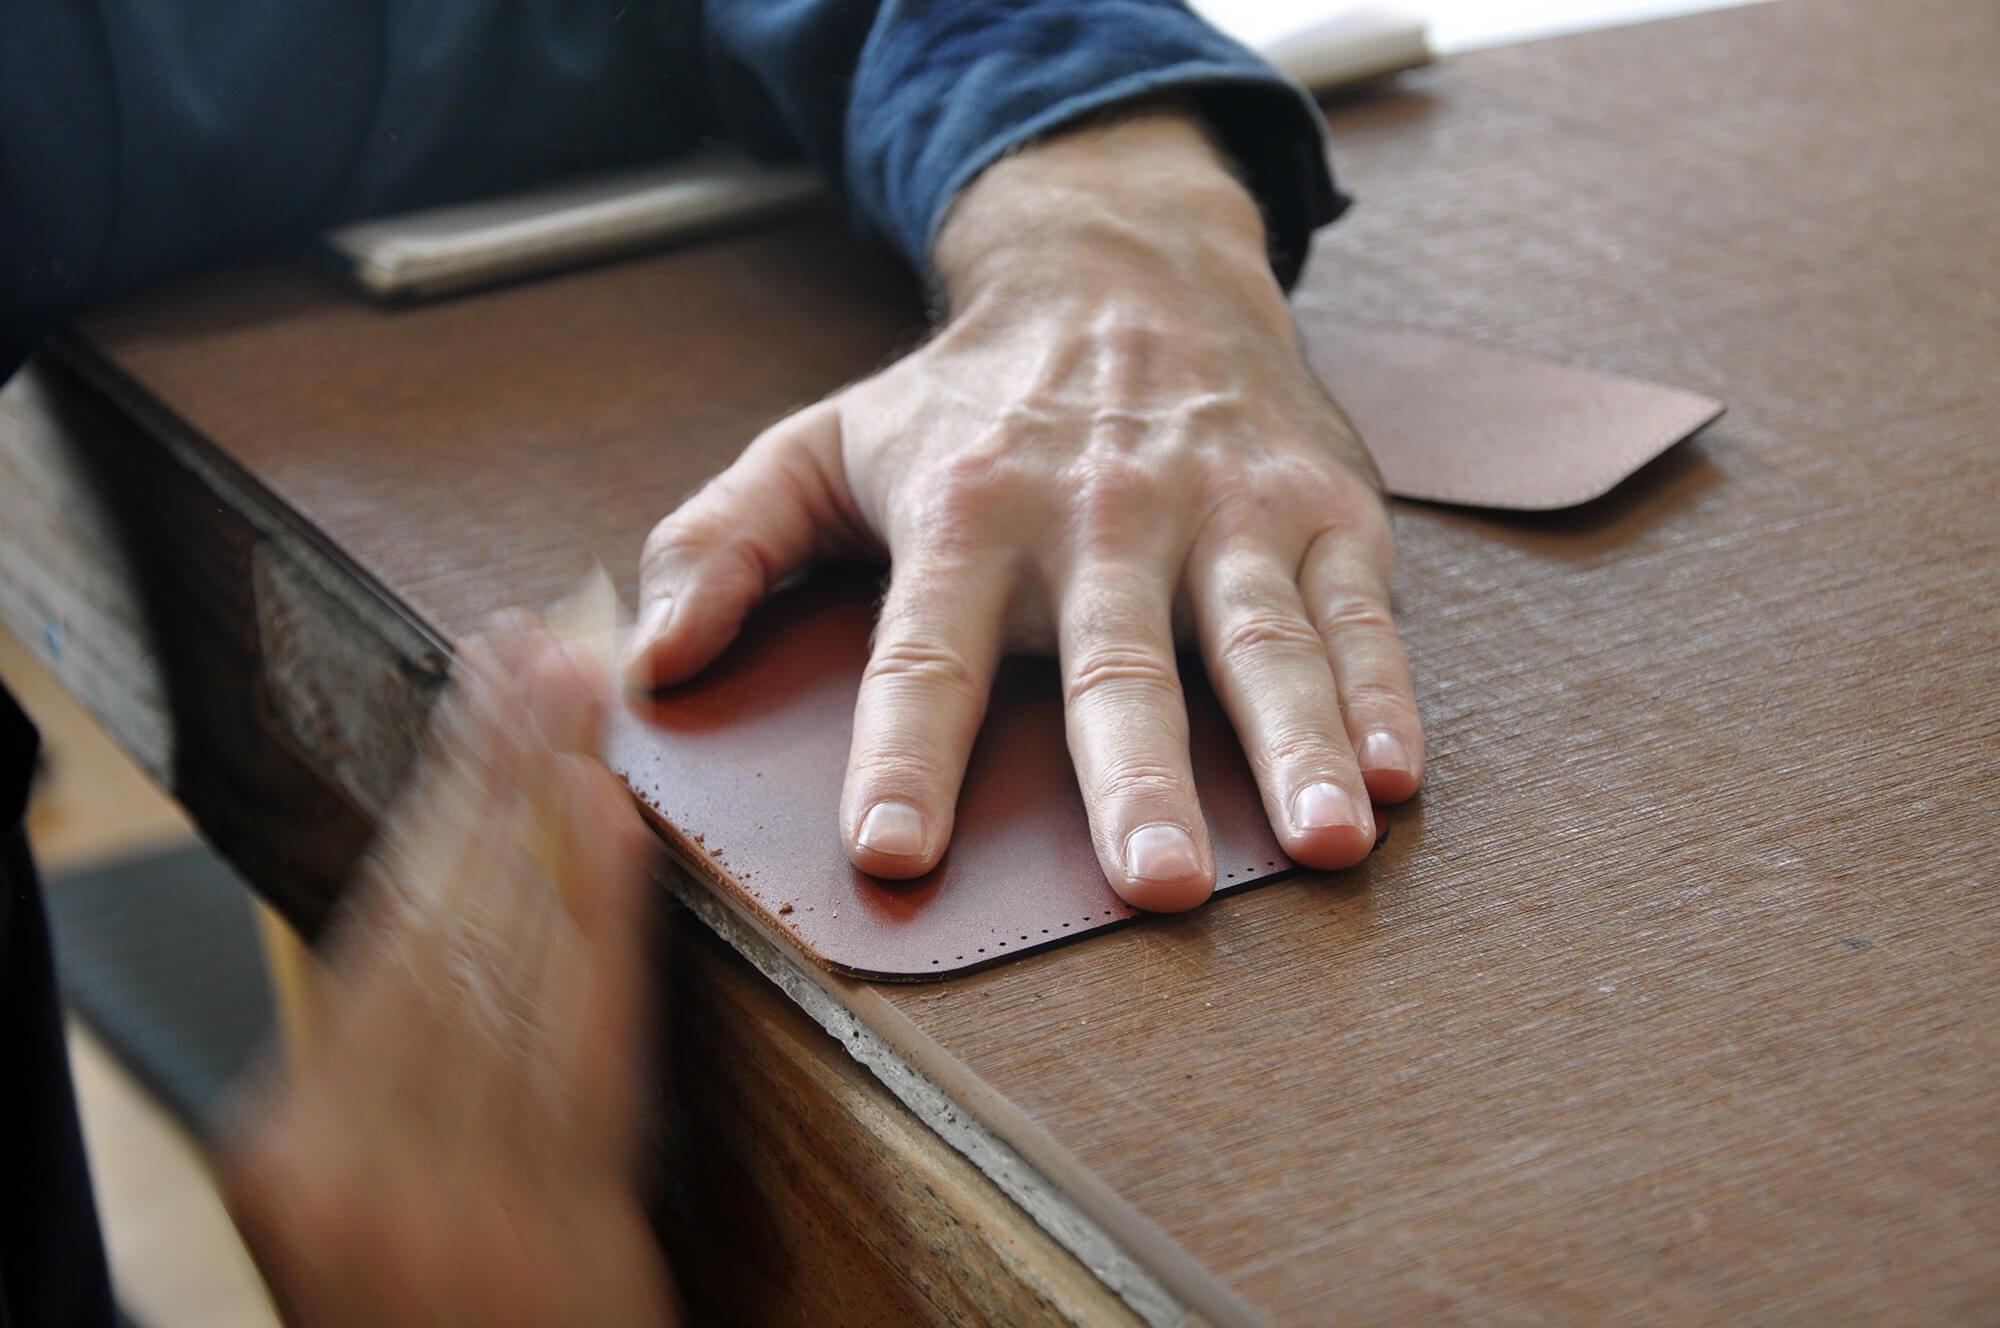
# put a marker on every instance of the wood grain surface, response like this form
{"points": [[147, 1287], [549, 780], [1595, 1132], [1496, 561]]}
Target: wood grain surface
{"points": [[1675, 996]]}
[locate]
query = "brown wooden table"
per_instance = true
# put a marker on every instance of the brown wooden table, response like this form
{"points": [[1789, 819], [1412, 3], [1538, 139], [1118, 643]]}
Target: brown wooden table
{"points": [[1674, 998]]}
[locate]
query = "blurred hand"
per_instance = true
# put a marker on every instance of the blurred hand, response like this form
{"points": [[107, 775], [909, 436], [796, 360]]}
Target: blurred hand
{"points": [[458, 1143], [1113, 442]]}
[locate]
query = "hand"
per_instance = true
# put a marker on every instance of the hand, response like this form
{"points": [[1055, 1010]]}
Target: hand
{"points": [[1112, 443], [458, 1142]]}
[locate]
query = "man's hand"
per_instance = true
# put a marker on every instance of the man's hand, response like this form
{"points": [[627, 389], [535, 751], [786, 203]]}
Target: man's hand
{"points": [[458, 1142], [1113, 443]]}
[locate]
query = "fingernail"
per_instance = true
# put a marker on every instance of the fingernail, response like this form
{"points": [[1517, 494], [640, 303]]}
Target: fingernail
{"points": [[1161, 852], [893, 829], [1384, 751], [1323, 806]]}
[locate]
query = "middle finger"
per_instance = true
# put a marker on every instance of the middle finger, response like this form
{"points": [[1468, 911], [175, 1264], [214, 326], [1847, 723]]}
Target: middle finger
{"points": [[1126, 719]]}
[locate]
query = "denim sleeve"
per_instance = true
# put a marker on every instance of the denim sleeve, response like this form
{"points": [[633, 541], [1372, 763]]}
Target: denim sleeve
{"points": [[905, 101], [140, 138]]}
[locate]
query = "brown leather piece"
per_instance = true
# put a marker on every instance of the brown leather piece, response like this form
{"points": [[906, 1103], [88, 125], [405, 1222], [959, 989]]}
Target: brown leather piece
{"points": [[1452, 421], [743, 767]]}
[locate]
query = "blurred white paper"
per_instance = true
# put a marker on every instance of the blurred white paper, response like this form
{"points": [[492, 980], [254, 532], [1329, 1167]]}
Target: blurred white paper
{"points": [[442, 250], [1325, 46], [1455, 25]]}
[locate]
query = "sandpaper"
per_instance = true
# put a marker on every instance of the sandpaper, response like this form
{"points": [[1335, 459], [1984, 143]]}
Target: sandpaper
{"points": [[742, 767]]}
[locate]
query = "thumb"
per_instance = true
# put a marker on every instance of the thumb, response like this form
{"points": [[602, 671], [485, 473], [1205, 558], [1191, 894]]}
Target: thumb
{"points": [[783, 502]]}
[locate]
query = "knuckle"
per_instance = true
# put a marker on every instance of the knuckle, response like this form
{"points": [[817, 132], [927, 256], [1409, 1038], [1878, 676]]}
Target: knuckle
{"points": [[1246, 515], [1311, 475], [1118, 669], [896, 762], [1108, 489], [1300, 746], [967, 495], [682, 532], [1303, 503], [1253, 496], [976, 472], [1301, 483], [1243, 577], [1256, 608], [1232, 506], [1369, 697], [705, 543], [1359, 540], [1140, 782], [1263, 629], [1356, 616], [916, 663]]}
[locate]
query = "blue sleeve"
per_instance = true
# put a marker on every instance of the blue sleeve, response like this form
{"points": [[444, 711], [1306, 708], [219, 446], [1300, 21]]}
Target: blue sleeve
{"points": [[139, 138], [905, 101]]}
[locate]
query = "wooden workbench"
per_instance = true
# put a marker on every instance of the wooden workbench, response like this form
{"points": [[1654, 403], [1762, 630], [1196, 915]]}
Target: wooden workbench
{"points": [[1677, 995]]}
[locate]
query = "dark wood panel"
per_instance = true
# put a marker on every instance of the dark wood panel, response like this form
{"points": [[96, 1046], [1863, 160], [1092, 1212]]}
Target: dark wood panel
{"points": [[210, 649], [800, 1192], [1675, 994]]}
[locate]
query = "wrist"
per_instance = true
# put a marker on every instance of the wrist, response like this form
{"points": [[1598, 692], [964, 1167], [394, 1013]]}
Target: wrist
{"points": [[1146, 202]]}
